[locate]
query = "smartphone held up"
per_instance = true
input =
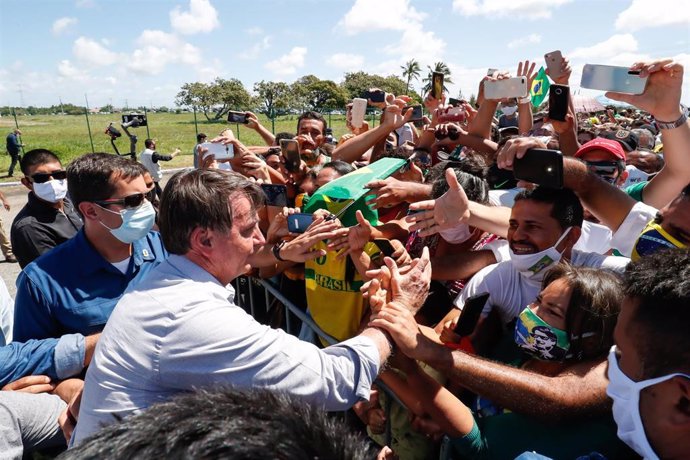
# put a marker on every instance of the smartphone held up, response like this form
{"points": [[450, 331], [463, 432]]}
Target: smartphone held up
{"points": [[541, 167]]}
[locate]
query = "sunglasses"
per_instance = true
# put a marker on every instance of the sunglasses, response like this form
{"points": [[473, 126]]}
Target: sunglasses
{"points": [[602, 167], [41, 178], [130, 201]]}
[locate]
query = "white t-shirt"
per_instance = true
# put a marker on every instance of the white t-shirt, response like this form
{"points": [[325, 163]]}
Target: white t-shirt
{"points": [[594, 238], [637, 219], [510, 292], [634, 176], [504, 197], [6, 315]]}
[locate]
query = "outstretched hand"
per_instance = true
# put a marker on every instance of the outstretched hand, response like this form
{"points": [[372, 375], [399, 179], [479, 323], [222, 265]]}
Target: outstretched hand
{"points": [[443, 213]]}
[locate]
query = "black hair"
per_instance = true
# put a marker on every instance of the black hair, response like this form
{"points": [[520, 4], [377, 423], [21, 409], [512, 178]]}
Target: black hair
{"points": [[92, 177], [565, 205], [659, 285], [148, 143], [283, 135], [200, 136], [341, 167], [227, 423], [311, 115], [36, 157]]}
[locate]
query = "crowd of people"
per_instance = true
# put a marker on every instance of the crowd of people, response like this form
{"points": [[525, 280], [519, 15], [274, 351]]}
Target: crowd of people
{"points": [[495, 318]]}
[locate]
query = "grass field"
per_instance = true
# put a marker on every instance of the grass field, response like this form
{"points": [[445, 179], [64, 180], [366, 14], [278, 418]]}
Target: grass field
{"points": [[68, 135]]}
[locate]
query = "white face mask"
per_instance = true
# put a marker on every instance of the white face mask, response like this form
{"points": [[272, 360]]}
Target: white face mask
{"points": [[51, 191], [533, 266], [456, 235], [509, 110], [626, 406]]}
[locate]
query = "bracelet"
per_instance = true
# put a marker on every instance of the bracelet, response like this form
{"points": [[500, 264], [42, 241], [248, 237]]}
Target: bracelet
{"points": [[276, 250], [674, 124], [524, 100]]}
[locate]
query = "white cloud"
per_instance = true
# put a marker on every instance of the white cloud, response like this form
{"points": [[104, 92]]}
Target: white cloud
{"points": [[367, 15], [254, 30], [157, 49], [85, 3], [346, 61], [643, 14], [522, 41], [519, 9], [201, 17], [91, 52], [288, 63], [210, 71], [67, 70], [416, 43], [63, 24], [620, 49], [255, 50]]}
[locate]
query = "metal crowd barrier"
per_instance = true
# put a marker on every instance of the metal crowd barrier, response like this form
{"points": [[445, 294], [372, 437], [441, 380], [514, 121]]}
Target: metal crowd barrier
{"points": [[245, 298]]}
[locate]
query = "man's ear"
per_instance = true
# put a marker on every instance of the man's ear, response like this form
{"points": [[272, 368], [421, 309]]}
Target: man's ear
{"points": [[27, 183], [622, 177], [202, 240], [88, 210], [573, 235], [681, 414]]}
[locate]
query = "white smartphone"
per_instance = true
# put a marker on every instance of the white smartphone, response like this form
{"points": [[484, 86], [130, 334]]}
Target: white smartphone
{"points": [[554, 59], [220, 151], [509, 87], [359, 108], [612, 78]]}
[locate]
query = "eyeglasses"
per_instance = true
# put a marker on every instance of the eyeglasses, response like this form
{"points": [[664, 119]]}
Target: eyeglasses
{"points": [[602, 168], [130, 201], [41, 178]]}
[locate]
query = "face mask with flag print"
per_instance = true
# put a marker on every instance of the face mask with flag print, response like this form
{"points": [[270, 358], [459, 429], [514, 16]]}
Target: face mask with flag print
{"points": [[539, 339], [652, 239]]}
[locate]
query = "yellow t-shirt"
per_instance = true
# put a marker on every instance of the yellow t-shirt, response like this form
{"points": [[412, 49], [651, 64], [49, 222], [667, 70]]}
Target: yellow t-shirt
{"points": [[335, 305]]}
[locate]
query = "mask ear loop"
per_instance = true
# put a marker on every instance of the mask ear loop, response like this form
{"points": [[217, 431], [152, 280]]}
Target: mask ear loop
{"points": [[565, 233]]}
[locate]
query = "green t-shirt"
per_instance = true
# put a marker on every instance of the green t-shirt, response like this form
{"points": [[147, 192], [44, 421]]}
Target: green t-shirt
{"points": [[634, 191]]}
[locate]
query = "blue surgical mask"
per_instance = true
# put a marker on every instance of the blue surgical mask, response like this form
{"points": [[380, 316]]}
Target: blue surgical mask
{"points": [[136, 222]]}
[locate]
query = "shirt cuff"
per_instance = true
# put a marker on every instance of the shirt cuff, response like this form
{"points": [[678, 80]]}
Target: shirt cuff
{"points": [[369, 360], [69, 355]]}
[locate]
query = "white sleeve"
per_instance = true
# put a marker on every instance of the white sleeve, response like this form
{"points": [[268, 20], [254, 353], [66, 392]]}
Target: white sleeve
{"points": [[625, 237], [6, 315], [500, 249]]}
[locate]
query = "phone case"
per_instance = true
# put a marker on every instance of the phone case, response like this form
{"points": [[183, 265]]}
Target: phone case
{"points": [[276, 194], [540, 166], [553, 63], [291, 153], [612, 78], [437, 86], [510, 87], [359, 108], [471, 311], [298, 223], [558, 102]]}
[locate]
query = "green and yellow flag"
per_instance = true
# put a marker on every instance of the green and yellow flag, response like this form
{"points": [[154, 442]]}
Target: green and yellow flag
{"points": [[335, 195], [540, 87]]}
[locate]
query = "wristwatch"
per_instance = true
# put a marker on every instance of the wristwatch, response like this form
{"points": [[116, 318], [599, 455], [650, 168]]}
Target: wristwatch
{"points": [[276, 250], [674, 124]]}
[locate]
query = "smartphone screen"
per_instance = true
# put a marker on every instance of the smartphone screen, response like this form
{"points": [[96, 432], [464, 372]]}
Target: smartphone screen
{"points": [[290, 151], [218, 150], [417, 113], [237, 117], [509, 87], [376, 96], [298, 223], [276, 194], [558, 102], [612, 78], [541, 167], [470, 314], [437, 85]]}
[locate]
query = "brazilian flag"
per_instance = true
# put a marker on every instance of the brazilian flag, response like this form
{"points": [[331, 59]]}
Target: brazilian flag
{"points": [[540, 87], [335, 195]]}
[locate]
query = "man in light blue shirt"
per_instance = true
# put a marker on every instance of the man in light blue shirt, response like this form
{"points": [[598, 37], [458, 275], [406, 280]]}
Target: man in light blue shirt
{"points": [[179, 329]]}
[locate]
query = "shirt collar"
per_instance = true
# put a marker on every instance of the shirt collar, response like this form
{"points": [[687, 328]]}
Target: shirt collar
{"points": [[192, 271], [92, 261]]}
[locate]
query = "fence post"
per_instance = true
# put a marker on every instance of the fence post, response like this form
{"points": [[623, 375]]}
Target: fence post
{"points": [[88, 125], [148, 135]]}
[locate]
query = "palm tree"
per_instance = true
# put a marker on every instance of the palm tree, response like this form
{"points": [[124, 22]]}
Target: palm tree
{"points": [[438, 67], [411, 70]]}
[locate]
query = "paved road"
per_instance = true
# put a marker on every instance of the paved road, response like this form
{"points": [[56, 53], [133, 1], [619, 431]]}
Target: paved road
{"points": [[16, 194]]}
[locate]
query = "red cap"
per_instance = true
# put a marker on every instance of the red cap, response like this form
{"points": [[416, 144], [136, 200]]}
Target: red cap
{"points": [[599, 143]]}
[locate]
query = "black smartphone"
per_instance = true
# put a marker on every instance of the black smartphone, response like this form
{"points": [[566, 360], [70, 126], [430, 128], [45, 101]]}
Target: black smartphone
{"points": [[455, 102], [290, 150], [384, 246], [376, 95], [276, 194], [437, 85], [558, 102], [237, 117], [134, 120], [298, 223], [540, 166], [470, 314], [417, 113]]}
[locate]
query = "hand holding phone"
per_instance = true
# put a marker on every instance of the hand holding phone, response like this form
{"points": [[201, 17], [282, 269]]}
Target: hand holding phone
{"points": [[515, 87], [376, 96], [558, 102], [237, 117], [359, 108], [437, 85], [554, 61], [299, 222], [612, 78], [417, 113], [290, 151], [218, 150], [470, 314]]}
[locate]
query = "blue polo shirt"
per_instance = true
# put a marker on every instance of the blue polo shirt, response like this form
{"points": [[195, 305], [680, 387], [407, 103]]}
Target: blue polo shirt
{"points": [[73, 289]]}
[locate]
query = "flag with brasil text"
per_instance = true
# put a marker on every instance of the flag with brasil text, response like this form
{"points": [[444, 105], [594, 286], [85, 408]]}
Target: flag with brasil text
{"points": [[540, 88], [335, 195]]}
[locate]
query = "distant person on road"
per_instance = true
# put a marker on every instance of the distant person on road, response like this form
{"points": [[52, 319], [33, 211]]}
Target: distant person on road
{"points": [[14, 146], [5, 244], [200, 139], [150, 159], [48, 218]]}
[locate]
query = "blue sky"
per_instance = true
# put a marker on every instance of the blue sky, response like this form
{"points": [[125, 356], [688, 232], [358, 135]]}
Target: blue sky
{"points": [[141, 52]]}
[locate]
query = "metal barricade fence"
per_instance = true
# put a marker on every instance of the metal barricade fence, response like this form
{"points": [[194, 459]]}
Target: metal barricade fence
{"points": [[246, 298]]}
